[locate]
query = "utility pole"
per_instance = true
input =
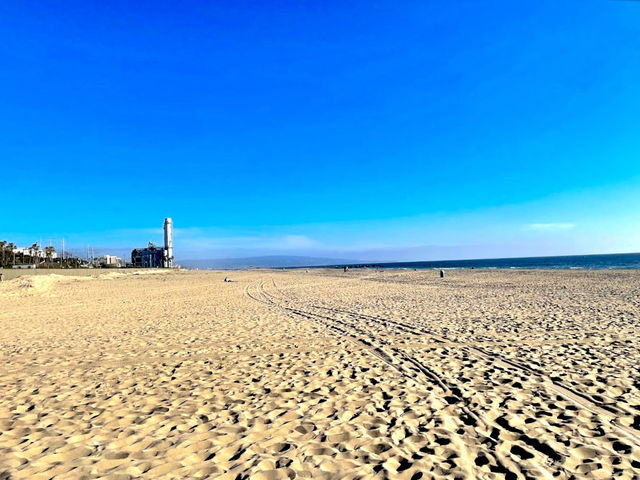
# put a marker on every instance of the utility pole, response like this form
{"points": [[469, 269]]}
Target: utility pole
{"points": [[51, 256]]}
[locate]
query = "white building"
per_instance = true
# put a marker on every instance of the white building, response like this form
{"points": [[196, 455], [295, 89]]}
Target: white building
{"points": [[109, 261], [39, 253]]}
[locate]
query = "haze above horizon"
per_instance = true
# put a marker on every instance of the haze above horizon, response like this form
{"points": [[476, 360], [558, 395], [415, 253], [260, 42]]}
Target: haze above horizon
{"points": [[367, 131]]}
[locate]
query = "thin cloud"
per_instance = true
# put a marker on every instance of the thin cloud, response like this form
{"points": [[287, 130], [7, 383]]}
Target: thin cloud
{"points": [[296, 241], [550, 227]]}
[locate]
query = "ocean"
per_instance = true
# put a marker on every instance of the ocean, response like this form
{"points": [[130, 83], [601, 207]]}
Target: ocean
{"points": [[587, 262]]}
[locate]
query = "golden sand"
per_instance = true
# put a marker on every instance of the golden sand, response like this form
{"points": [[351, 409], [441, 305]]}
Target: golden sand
{"points": [[287, 374]]}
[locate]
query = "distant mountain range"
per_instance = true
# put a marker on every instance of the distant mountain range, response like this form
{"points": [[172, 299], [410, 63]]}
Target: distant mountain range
{"points": [[271, 261]]}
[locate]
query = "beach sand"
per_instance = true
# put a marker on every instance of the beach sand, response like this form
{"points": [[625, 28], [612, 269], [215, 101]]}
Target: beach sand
{"points": [[325, 374]]}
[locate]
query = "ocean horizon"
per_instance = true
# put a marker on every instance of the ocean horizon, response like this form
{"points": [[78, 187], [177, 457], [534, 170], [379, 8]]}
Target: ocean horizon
{"points": [[568, 262]]}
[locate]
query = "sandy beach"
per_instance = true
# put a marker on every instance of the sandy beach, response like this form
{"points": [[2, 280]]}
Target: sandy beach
{"points": [[288, 374]]}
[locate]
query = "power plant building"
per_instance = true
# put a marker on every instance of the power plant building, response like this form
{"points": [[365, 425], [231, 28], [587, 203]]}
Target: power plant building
{"points": [[153, 256]]}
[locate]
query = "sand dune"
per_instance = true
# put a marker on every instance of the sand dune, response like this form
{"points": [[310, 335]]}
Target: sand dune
{"points": [[321, 375]]}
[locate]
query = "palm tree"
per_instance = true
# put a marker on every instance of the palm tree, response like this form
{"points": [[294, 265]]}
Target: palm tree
{"points": [[49, 251], [2, 245], [32, 251], [12, 251]]}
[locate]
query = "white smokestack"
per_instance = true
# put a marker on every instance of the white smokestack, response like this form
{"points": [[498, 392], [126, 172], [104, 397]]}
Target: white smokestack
{"points": [[168, 242]]}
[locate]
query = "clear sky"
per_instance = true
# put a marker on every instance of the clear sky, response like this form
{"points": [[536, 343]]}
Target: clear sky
{"points": [[365, 130]]}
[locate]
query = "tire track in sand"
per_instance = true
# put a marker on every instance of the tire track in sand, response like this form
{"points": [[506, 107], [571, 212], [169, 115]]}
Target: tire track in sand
{"points": [[412, 368]]}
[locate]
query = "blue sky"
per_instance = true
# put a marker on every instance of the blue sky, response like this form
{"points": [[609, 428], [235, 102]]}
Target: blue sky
{"points": [[365, 130]]}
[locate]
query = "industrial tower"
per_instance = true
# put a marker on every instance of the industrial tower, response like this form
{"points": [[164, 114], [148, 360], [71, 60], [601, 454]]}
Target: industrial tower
{"points": [[168, 243]]}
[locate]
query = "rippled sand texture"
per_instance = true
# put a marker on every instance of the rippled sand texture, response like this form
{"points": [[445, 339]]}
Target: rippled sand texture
{"points": [[287, 374]]}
